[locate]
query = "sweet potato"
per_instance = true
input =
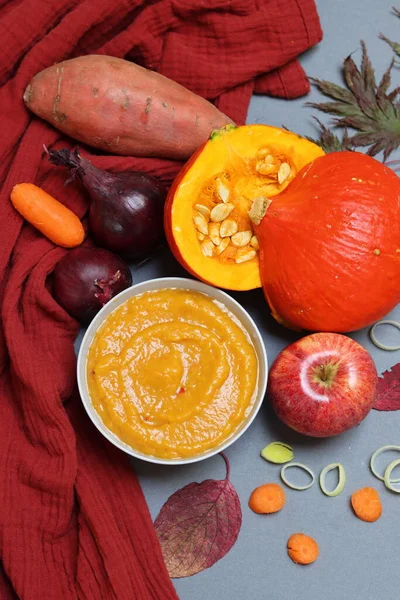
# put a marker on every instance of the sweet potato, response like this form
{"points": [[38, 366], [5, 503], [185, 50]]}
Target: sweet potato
{"points": [[117, 106]]}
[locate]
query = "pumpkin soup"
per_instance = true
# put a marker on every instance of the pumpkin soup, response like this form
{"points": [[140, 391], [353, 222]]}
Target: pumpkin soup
{"points": [[172, 373]]}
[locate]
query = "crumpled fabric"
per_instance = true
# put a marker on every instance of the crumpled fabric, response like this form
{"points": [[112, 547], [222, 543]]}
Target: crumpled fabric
{"points": [[73, 519]]}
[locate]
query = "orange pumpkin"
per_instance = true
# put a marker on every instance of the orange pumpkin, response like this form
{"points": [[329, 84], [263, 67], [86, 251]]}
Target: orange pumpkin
{"points": [[330, 244], [206, 213]]}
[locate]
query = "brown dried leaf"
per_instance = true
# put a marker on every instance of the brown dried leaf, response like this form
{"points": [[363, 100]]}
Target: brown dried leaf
{"points": [[198, 525], [361, 83], [394, 45], [335, 108], [330, 142], [364, 106], [333, 90]]}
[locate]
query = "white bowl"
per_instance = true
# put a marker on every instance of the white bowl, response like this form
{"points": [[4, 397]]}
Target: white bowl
{"points": [[170, 283]]}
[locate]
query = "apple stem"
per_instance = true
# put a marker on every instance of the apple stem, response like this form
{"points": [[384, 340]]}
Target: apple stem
{"points": [[323, 372]]}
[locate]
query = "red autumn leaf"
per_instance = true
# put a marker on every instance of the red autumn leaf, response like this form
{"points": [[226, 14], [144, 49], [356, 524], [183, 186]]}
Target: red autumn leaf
{"points": [[198, 525], [388, 390]]}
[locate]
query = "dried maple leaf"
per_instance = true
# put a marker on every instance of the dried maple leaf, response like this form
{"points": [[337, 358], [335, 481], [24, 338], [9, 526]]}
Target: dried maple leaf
{"points": [[198, 525], [394, 45], [364, 106], [388, 390], [330, 142]]}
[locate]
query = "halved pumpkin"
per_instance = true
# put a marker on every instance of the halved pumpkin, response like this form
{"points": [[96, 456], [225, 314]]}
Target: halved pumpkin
{"points": [[206, 213]]}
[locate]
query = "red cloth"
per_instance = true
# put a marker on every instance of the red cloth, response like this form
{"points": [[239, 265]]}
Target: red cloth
{"points": [[73, 520]]}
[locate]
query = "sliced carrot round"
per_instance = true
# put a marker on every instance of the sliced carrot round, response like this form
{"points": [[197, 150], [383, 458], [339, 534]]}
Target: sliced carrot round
{"points": [[302, 549], [267, 498], [367, 504]]}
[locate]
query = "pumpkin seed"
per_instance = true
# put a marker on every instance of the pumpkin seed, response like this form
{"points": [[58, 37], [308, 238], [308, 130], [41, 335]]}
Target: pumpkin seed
{"points": [[223, 245], [203, 210], [221, 212], [201, 223], [207, 248], [258, 209], [242, 257], [223, 191], [242, 238], [267, 164], [266, 169], [200, 236], [254, 242], [213, 230], [284, 172], [264, 152], [228, 227]]}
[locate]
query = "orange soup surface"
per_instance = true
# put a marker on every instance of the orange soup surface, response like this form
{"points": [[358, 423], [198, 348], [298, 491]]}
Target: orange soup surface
{"points": [[172, 373]]}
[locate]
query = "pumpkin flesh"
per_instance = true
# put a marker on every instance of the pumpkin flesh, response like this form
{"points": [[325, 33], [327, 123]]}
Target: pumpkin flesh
{"points": [[236, 165]]}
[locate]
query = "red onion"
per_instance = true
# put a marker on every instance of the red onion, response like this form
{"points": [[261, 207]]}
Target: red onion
{"points": [[126, 212], [85, 279]]}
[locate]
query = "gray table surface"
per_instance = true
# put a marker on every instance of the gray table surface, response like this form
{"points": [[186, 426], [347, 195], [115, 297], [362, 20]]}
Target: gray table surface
{"points": [[358, 561]]}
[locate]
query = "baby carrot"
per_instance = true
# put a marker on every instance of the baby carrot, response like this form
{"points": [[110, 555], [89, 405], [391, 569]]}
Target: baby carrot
{"points": [[44, 212], [268, 498], [366, 504], [302, 549]]}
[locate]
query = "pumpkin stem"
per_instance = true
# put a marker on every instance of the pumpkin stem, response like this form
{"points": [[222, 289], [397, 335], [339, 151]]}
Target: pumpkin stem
{"points": [[222, 130], [258, 209]]}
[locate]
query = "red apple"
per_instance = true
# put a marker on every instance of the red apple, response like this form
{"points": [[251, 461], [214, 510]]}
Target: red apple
{"points": [[323, 384]]}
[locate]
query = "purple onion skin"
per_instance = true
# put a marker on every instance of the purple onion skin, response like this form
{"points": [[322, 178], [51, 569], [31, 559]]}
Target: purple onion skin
{"points": [[126, 210], [86, 279]]}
